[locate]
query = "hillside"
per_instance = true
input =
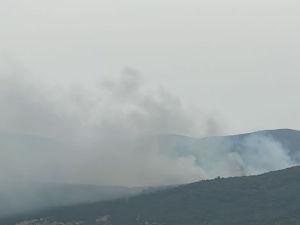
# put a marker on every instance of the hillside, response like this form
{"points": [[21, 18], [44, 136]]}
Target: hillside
{"points": [[288, 138], [19, 151], [250, 154], [35, 196], [267, 199], [19, 192]]}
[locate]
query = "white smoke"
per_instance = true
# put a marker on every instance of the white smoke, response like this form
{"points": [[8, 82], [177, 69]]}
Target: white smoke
{"points": [[255, 154], [110, 134]]}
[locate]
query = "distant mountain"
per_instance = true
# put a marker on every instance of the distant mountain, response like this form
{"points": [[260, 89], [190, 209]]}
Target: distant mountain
{"points": [[244, 154], [288, 138], [22, 152], [30, 143], [267, 199], [224, 156]]}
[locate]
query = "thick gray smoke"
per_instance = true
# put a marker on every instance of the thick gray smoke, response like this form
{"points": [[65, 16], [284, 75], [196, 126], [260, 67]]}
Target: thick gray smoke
{"points": [[95, 132], [116, 133], [102, 134], [107, 134]]}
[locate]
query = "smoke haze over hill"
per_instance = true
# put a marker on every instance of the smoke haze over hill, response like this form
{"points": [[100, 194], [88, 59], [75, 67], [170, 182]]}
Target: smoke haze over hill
{"points": [[108, 134], [100, 96]]}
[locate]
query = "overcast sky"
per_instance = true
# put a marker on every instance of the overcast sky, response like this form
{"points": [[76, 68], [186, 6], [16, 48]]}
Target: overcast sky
{"points": [[237, 60]]}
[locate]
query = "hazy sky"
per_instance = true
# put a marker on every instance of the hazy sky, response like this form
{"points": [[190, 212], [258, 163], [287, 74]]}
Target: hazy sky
{"points": [[237, 60]]}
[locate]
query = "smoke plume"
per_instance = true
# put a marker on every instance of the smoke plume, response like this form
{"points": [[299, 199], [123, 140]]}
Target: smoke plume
{"points": [[116, 133]]}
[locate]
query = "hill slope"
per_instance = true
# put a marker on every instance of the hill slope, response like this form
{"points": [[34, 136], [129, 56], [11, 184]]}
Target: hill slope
{"points": [[250, 154], [24, 157], [288, 138], [20, 151], [35, 196], [267, 199]]}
